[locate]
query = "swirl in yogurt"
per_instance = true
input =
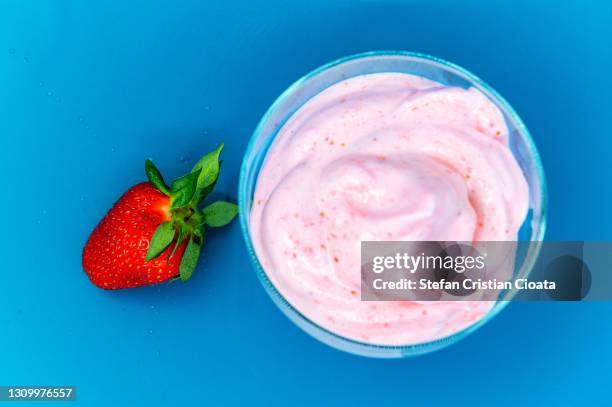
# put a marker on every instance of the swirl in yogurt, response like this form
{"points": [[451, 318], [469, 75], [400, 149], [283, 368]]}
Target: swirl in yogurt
{"points": [[385, 156]]}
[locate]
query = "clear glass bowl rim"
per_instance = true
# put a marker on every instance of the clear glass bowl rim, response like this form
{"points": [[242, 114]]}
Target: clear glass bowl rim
{"points": [[403, 350]]}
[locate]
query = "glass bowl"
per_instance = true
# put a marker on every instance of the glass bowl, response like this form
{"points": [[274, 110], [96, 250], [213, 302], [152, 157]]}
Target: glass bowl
{"points": [[304, 89]]}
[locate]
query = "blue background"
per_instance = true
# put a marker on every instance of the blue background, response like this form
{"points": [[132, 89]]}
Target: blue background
{"points": [[89, 89]]}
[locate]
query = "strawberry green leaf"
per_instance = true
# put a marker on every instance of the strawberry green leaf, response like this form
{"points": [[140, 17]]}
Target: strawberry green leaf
{"points": [[208, 167], [209, 188], [182, 234], [219, 213], [155, 177], [161, 240], [190, 259], [183, 190]]}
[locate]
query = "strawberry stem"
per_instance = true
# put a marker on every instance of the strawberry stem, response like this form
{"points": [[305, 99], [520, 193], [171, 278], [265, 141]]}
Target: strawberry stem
{"points": [[186, 194]]}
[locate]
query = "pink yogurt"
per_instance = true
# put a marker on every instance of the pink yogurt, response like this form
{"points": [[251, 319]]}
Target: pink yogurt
{"points": [[385, 156]]}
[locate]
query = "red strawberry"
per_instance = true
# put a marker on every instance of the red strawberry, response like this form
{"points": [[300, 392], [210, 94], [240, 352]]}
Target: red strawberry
{"points": [[114, 256], [154, 233]]}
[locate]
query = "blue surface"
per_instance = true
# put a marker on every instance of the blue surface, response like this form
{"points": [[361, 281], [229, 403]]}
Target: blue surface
{"points": [[90, 89]]}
